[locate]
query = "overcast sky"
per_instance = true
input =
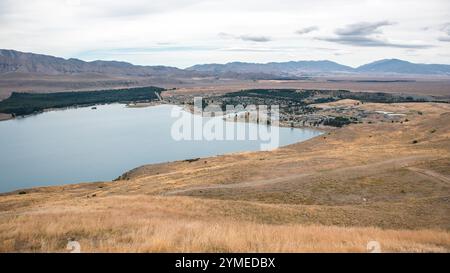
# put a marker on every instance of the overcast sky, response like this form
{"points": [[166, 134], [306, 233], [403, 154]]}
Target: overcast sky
{"points": [[186, 32]]}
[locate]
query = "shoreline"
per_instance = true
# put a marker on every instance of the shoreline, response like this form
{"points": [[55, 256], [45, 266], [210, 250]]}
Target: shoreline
{"points": [[4, 117], [185, 108], [144, 105], [95, 182], [84, 183]]}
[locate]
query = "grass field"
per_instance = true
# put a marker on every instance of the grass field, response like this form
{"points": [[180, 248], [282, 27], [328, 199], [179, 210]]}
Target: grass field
{"points": [[141, 223]]}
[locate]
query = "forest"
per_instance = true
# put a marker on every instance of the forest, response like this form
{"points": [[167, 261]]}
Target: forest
{"points": [[20, 104]]}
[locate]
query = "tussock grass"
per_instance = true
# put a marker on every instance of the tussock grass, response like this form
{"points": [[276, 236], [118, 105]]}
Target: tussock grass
{"points": [[128, 234], [139, 224]]}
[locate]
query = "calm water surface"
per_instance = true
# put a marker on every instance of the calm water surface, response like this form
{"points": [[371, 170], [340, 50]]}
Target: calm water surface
{"points": [[83, 145]]}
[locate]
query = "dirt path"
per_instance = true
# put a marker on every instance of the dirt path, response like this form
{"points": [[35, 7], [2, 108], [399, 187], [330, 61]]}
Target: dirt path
{"points": [[432, 174], [366, 169], [241, 185]]}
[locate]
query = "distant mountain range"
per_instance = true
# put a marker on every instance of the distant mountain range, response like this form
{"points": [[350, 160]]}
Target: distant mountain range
{"points": [[16, 61], [273, 68], [388, 66]]}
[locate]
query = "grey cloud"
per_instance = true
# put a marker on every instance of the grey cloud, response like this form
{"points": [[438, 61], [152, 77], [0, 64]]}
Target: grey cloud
{"points": [[363, 28], [307, 30], [249, 38], [360, 34], [252, 38], [370, 42], [446, 29]]}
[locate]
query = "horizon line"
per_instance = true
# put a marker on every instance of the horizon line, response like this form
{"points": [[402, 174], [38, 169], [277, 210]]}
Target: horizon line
{"points": [[214, 63]]}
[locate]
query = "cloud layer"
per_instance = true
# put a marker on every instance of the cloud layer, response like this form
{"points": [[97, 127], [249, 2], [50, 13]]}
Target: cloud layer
{"points": [[363, 29], [307, 30], [246, 37], [365, 34], [185, 32]]}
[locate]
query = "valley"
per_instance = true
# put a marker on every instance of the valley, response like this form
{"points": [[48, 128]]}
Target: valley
{"points": [[373, 167], [334, 193]]}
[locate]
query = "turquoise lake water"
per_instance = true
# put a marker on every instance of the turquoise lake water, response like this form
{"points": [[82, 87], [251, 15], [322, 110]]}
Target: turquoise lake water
{"points": [[85, 145]]}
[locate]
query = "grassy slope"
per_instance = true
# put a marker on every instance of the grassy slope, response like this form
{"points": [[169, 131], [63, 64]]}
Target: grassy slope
{"points": [[333, 193]]}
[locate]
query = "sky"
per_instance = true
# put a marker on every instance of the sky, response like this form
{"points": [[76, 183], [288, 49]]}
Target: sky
{"points": [[182, 33]]}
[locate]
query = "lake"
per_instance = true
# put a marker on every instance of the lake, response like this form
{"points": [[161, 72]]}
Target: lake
{"points": [[83, 145]]}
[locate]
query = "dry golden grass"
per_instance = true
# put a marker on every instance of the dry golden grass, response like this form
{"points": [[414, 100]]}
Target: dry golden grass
{"points": [[148, 224], [437, 87], [333, 193], [200, 236]]}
